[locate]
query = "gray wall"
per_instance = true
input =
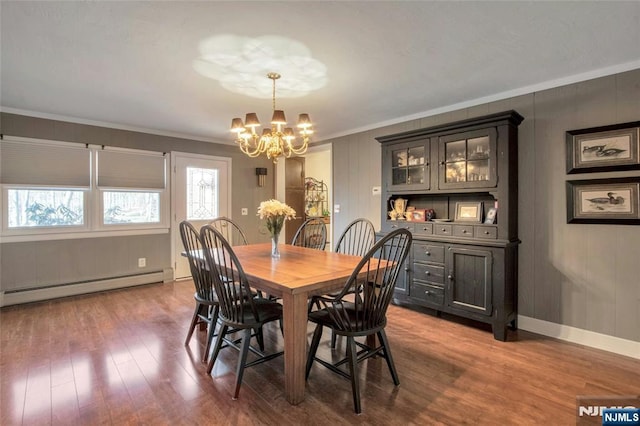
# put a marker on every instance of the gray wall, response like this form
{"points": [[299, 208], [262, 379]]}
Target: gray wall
{"points": [[38, 264], [584, 276]]}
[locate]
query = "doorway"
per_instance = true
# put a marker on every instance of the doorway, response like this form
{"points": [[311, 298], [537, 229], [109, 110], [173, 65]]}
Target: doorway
{"points": [[201, 191], [316, 163], [294, 193]]}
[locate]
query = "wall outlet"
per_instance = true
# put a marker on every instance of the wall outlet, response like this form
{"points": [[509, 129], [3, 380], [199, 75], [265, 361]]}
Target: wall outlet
{"points": [[244, 211], [142, 262]]}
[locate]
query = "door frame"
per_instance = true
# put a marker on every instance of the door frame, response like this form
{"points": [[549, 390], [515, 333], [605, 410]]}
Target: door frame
{"points": [[175, 226]]}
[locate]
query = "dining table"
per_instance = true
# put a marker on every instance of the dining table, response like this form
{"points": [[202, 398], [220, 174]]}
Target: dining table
{"points": [[295, 276]]}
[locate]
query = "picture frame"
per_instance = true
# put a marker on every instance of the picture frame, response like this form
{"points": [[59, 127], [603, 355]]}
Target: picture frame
{"points": [[418, 215], [490, 217], [614, 201], [605, 148], [468, 212]]}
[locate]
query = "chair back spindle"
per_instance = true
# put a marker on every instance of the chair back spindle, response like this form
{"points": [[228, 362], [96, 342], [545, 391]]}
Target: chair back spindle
{"points": [[358, 237], [311, 234], [230, 230]]}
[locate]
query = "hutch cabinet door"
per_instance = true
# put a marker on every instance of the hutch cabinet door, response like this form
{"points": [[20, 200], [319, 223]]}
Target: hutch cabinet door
{"points": [[469, 276], [401, 289], [468, 160], [407, 166]]}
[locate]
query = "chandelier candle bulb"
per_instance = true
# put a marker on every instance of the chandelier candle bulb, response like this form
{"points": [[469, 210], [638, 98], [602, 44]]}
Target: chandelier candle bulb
{"points": [[275, 141]]}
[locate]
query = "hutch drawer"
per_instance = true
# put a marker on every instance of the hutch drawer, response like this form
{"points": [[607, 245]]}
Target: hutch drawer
{"points": [[488, 232], [432, 273], [427, 293], [424, 252]]}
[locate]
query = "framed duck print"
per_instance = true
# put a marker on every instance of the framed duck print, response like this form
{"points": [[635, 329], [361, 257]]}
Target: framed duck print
{"points": [[614, 201], [601, 149]]}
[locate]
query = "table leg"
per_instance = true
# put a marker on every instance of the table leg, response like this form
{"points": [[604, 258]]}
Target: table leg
{"points": [[295, 345]]}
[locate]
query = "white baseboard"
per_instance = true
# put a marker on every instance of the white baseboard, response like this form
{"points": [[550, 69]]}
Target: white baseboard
{"points": [[592, 339], [36, 295]]}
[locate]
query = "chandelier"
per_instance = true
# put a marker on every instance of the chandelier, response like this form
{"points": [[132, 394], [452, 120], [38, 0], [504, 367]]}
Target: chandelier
{"points": [[275, 141]]}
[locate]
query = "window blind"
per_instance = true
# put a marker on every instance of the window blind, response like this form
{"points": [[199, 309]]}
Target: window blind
{"points": [[128, 169], [50, 164]]}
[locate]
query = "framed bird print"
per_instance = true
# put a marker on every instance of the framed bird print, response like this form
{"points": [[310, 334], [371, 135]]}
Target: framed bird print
{"points": [[601, 149], [612, 201]]}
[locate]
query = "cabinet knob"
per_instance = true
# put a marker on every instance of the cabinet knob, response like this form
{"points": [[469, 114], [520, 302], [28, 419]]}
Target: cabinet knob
{"points": [[427, 273], [406, 269], [444, 229], [442, 163], [450, 277], [427, 292], [486, 232], [428, 253], [464, 231]]}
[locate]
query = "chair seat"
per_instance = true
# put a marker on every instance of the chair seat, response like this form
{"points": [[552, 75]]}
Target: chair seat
{"points": [[266, 309], [349, 322]]}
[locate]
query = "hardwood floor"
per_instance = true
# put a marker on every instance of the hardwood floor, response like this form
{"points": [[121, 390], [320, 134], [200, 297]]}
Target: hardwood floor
{"points": [[118, 358]]}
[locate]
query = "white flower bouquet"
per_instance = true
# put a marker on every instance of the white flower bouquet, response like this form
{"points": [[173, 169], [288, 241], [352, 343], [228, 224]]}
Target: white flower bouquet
{"points": [[275, 213]]}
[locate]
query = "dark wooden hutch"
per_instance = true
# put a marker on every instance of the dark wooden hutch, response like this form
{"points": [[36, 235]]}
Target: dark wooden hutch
{"points": [[459, 170]]}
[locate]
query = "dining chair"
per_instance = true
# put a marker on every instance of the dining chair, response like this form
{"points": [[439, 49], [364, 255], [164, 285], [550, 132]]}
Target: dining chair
{"points": [[239, 310], [357, 238], [374, 280], [311, 234], [207, 307], [230, 230]]}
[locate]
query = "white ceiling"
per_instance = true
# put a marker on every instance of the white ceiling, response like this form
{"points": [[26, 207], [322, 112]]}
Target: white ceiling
{"points": [[130, 64]]}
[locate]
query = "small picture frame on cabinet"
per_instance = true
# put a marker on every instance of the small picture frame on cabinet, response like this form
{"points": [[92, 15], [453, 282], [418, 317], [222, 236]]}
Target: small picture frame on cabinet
{"points": [[490, 217], [418, 215], [468, 212]]}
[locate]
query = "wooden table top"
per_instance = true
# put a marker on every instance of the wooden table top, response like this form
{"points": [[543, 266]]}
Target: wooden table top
{"points": [[298, 270]]}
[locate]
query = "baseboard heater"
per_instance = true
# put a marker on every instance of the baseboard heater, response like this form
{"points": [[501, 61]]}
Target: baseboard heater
{"points": [[16, 297]]}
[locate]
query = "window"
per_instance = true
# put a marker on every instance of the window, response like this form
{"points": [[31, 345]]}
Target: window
{"points": [[45, 207], [202, 193], [130, 207], [61, 188], [131, 185]]}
